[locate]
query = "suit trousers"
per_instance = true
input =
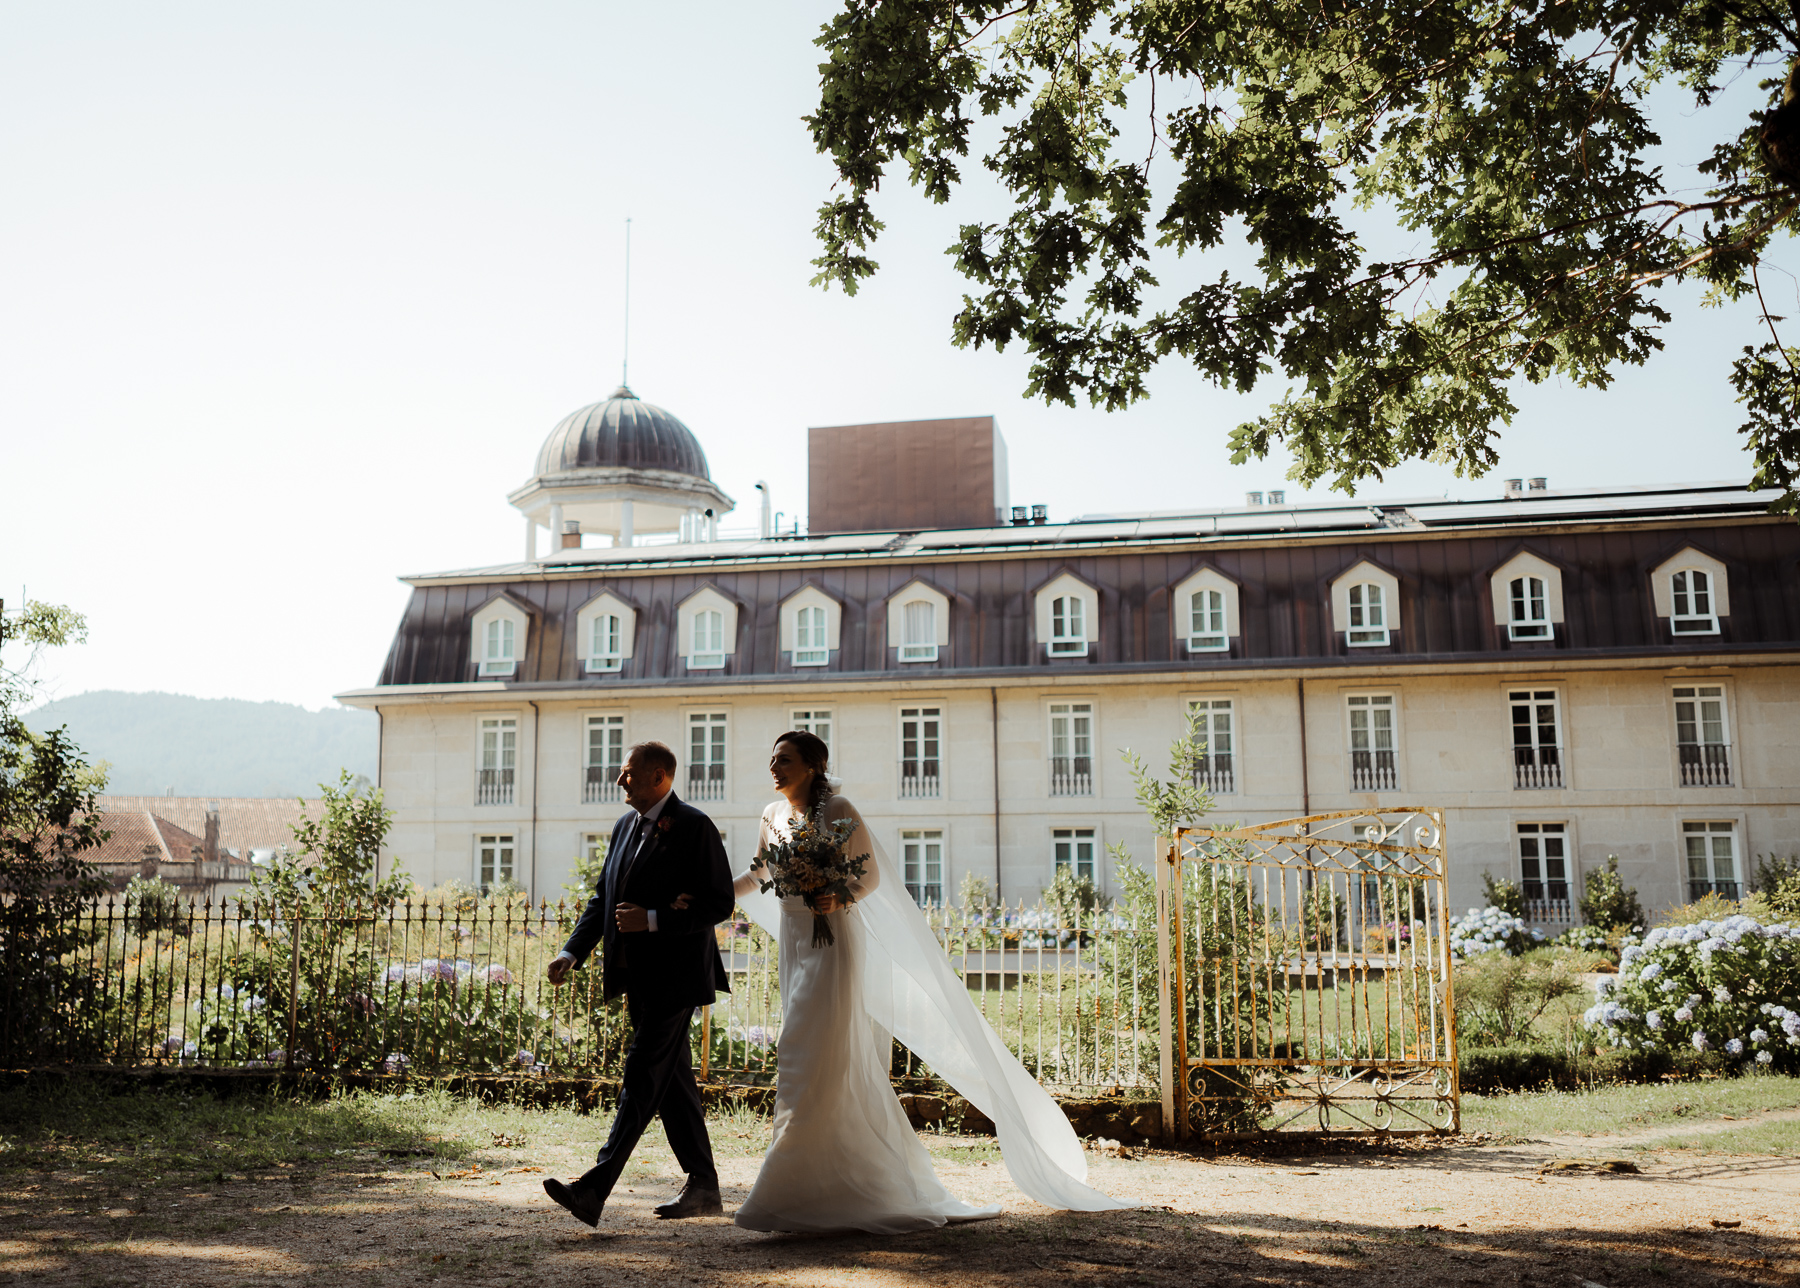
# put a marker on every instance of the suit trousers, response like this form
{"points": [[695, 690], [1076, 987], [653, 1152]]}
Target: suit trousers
{"points": [[659, 1080]]}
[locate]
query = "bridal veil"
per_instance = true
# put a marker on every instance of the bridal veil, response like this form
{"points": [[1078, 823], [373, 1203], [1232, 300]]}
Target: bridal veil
{"points": [[910, 992]]}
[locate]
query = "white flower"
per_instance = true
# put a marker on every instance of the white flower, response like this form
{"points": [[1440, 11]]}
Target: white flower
{"points": [[1721, 993], [1734, 1047], [1684, 1014], [1759, 1035], [1653, 1019], [1650, 972], [1763, 1057], [1700, 1040]]}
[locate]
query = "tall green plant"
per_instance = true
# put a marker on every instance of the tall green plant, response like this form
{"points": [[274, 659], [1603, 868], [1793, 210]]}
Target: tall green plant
{"points": [[1778, 881], [1227, 939], [1607, 902], [312, 953], [49, 829]]}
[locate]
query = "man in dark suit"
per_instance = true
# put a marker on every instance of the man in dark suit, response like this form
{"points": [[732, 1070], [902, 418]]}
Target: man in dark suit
{"points": [[659, 951]]}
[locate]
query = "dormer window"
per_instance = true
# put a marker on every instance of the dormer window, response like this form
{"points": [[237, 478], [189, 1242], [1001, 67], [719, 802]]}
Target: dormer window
{"points": [[603, 634], [918, 639], [1068, 630], [708, 630], [1528, 603], [605, 643], [499, 653], [1691, 603], [708, 650], [1067, 613], [810, 623], [1368, 615], [1206, 622], [810, 647]]}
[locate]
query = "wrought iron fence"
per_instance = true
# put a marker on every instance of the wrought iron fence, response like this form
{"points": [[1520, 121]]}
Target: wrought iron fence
{"points": [[1306, 970], [458, 986]]}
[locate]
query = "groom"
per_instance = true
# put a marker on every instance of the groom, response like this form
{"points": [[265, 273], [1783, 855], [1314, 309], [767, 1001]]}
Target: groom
{"points": [[664, 959]]}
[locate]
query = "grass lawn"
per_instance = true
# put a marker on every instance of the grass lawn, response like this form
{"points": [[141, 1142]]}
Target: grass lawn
{"points": [[1630, 1110]]}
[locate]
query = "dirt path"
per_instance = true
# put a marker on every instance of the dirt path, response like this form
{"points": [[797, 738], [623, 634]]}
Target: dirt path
{"points": [[1460, 1214]]}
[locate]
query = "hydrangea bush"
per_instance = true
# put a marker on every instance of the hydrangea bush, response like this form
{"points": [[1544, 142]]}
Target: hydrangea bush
{"points": [[1491, 929], [1729, 987]]}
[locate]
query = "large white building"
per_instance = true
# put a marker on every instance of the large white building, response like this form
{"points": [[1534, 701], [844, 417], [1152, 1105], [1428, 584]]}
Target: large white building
{"points": [[1570, 675]]}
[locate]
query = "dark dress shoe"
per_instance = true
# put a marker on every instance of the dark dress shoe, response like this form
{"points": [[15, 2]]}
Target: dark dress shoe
{"points": [[695, 1199], [583, 1206]]}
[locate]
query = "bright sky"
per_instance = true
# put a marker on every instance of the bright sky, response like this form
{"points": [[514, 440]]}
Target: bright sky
{"points": [[292, 294]]}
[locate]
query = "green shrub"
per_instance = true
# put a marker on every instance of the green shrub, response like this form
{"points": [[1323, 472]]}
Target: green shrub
{"points": [[1504, 894], [1607, 902], [1499, 997], [1524, 1067], [1778, 882]]}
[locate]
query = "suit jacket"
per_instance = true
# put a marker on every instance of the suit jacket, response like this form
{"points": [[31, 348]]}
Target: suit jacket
{"points": [[677, 965]]}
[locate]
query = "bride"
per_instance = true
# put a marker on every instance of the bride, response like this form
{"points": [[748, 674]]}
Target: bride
{"points": [[844, 1156]]}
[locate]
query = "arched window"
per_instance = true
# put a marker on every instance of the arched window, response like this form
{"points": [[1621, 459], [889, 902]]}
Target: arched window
{"points": [[1068, 629], [1528, 616], [498, 654], [1368, 614], [810, 646], [1691, 603], [709, 640], [918, 640], [1206, 621], [605, 643]]}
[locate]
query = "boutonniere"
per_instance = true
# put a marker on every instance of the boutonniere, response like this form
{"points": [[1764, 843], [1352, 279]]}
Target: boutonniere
{"points": [[664, 824]]}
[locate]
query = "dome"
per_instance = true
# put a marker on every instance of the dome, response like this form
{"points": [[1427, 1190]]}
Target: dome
{"points": [[622, 432]]}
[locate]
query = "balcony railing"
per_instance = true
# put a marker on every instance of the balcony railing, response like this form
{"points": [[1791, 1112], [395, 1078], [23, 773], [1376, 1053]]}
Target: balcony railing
{"points": [[602, 786], [1217, 778], [1536, 769], [1705, 764], [1072, 776], [918, 779], [494, 787], [1373, 771], [1552, 915], [1724, 889], [706, 783]]}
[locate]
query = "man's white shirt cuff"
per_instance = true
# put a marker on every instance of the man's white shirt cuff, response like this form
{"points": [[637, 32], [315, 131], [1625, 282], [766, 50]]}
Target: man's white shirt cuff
{"points": [[651, 914]]}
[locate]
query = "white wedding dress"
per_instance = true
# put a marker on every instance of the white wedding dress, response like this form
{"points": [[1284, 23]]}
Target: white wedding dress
{"points": [[844, 1156]]}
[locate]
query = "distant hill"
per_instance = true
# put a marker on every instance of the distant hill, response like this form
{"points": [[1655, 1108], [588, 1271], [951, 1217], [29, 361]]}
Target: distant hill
{"points": [[213, 746]]}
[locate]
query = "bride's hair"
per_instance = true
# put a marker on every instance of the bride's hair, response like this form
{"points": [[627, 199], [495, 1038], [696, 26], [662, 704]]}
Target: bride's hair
{"points": [[815, 755]]}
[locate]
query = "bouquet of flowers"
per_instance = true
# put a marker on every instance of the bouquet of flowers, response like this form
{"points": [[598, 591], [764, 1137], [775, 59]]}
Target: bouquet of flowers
{"points": [[812, 863]]}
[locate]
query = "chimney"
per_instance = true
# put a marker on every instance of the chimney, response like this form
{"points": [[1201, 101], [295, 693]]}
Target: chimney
{"points": [[1514, 486], [1019, 516], [1253, 498], [212, 832], [147, 868], [1278, 497], [1040, 514], [571, 534], [1540, 485], [765, 523]]}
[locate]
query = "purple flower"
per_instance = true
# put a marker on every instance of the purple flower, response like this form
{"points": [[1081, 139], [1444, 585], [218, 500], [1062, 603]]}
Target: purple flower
{"points": [[394, 974], [526, 1059], [1734, 1047], [497, 974], [395, 1063]]}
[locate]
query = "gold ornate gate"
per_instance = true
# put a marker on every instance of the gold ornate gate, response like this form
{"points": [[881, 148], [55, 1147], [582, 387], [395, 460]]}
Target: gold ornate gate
{"points": [[1305, 977]]}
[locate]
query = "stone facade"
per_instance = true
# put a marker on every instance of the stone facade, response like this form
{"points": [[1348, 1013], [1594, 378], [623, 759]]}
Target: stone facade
{"points": [[1613, 733]]}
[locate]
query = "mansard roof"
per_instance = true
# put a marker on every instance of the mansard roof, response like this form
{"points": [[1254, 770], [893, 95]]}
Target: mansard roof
{"points": [[1442, 551]]}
